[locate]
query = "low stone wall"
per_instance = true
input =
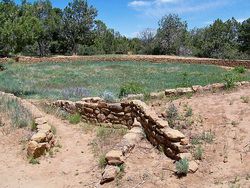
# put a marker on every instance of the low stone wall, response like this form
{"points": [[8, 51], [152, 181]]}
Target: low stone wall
{"points": [[145, 58], [195, 89], [119, 153], [43, 139], [157, 131], [96, 110]]}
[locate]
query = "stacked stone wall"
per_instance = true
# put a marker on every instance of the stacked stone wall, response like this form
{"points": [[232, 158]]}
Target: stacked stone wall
{"points": [[156, 129]]}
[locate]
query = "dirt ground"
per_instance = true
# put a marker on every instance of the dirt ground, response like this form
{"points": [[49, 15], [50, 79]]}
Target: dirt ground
{"points": [[226, 161]]}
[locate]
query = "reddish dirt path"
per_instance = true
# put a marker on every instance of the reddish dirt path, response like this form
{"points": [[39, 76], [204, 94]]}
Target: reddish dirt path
{"points": [[73, 166]]}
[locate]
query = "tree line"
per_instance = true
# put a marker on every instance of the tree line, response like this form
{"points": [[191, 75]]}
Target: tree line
{"points": [[39, 29]]}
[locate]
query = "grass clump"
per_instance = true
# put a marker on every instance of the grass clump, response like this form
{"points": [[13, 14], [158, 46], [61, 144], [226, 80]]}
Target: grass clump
{"points": [[75, 118], [102, 162], [240, 69], [245, 99], [20, 116], [182, 167], [53, 129], [34, 161], [230, 78], [198, 153], [207, 137], [131, 88], [172, 114], [189, 112], [33, 126], [108, 96]]}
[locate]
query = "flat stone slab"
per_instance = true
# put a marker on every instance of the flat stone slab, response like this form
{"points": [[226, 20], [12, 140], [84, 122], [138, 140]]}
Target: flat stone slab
{"points": [[114, 157]]}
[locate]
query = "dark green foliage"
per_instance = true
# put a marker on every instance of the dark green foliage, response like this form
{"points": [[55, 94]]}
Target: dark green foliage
{"points": [[74, 118], [131, 88], [240, 69], [244, 36], [230, 78], [39, 29]]}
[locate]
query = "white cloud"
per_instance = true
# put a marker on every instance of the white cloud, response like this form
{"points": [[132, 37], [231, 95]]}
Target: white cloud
{"points": [[136, 4], [158, 8]]}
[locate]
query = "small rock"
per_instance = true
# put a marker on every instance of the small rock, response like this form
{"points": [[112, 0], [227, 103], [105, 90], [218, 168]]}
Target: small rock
{"points": [[188, 156], [170, 91], [109, 174], [193, 166], [40, 121], [173, 135], [182, 91], [35, 149], [44, 128], [114, 157], [184, 141], [39, 137], [101, 117]]}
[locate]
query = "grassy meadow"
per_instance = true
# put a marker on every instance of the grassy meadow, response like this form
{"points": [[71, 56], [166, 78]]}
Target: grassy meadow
{"points": [[78, 79]]}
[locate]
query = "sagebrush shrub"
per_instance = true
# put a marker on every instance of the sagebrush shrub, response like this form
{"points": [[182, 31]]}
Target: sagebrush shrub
{"points": [[131, 88], [182, 167], [240, 69], [20, 116], [172, 114], [230, 78], [198, 153], [75, 93], [108, 96]]}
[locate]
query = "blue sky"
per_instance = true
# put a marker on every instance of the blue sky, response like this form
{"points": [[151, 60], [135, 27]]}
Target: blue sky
{"points": [[129, 17]]}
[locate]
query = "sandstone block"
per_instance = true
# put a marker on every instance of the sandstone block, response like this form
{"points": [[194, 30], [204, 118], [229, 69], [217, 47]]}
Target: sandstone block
{"points": [[39, 137], [172, 134], [114, 157], [40, 121], [193, 166], [109, 174], [35, 149], [115, 107], [170, 92]]}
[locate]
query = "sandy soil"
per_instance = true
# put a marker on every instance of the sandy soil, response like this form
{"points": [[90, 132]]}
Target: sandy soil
{"points": [[75, 166]]}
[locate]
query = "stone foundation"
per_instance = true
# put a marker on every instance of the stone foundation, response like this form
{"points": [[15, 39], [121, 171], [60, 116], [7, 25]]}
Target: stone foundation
{"points": [[156, 129]]}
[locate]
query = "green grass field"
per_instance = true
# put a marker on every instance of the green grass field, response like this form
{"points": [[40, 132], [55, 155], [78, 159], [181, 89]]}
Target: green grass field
{"points": [[74, 80]]}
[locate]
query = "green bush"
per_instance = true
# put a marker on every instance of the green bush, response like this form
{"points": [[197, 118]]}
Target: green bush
{"points": [[198, 153], [102, 161], [74, 119], [230, 78], [240, 69], [2, 67], [189, 112], [131, 88], [172, 114], [182, 167]]}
